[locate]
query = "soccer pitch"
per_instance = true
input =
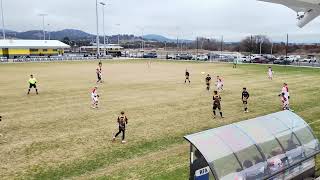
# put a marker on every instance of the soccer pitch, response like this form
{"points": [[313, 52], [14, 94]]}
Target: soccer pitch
{"points": [[56, 135]]}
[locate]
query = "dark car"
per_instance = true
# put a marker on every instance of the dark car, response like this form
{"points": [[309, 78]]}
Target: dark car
{"points": [[260, 60], [283, 62], [150, 55]]}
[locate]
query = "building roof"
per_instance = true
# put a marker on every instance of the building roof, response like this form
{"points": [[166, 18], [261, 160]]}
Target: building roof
{"points": [[16, 44], [242, 148]]}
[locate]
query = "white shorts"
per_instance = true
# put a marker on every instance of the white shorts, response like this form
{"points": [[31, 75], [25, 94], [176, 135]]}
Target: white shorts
{"points": [[94, 99], [270, 74]]}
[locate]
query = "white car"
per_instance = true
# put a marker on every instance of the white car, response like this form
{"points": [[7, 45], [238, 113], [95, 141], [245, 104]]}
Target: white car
{"points": [[202, 57], [171, 56], [243, 59]]}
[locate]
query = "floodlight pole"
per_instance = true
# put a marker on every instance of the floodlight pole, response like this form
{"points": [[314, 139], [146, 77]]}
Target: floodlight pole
{"points": [[2, 14], [43, 25], [104, 33], [118, 34], [97, 38]]}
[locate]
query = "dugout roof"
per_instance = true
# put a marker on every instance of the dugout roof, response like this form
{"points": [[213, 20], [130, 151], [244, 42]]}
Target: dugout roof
{"points": [[248, 147]]}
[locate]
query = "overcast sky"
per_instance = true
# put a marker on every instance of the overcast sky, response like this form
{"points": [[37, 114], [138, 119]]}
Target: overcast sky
{"points": [[183, 18]]}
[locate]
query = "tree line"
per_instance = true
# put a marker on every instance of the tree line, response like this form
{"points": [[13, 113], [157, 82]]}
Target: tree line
{"points": [[250, 44]]}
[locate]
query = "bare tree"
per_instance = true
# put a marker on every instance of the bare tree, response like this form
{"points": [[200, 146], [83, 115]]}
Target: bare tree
{"points": [[252, 44]]}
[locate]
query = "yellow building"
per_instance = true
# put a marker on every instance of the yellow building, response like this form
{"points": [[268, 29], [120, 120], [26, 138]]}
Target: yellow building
{"points": [[29, 48]]}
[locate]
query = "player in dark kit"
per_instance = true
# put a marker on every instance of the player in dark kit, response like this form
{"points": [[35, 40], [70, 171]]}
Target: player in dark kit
{"points": [[187, 76], [245, 97], [216, 104], [208, 81], [32, 84], [1, 120], [99, 72], [122, 121]]}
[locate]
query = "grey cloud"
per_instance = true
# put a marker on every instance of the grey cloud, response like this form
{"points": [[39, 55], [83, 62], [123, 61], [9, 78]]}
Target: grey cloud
{"points": [[183, 18]]}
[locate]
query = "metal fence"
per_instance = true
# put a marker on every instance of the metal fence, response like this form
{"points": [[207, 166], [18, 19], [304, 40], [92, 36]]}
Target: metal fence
{"points": [[81, 58], [53, 59]]}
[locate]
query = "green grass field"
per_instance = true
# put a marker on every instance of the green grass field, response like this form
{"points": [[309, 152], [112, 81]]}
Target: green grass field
{"points": [[56, 135]]}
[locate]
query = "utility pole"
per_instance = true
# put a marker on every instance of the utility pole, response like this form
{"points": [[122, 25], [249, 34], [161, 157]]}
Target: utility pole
{"points": [[3, 28], [97, 38], [261, 42], [251, 46], [287, 46], [221, 47], [177, 45], [197, 47], [165, 48]]}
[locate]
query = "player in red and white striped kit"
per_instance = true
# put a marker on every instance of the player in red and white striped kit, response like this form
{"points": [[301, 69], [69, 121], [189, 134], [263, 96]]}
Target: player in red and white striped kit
{"points": [[94, 97], [285, 102], [285, 96]]}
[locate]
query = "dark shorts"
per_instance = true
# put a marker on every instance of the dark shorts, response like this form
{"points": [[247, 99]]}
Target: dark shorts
{"points": [[122, 128], [216, 106], [32, 86], [98, 76], [245, 102], [187, 77], [208, 84]]}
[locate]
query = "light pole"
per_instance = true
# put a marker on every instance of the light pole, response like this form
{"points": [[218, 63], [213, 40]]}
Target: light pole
{"points": [[261, 47], [142, 40], [43, 26], [3, 30], [49, 33], [97, 38], [221, 47], [104, 33]]}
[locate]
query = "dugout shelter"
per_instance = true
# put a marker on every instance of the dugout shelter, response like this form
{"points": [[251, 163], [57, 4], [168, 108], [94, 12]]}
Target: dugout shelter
{"points": [[276, 146]]}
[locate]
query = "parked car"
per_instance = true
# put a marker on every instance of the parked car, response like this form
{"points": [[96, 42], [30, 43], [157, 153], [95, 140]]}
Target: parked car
{"points": [[247, 60], [243, 59], [170, 56], [309, 58], [150, 55], [185, 56], [260, 60], [283, 61], [202, 57]]}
